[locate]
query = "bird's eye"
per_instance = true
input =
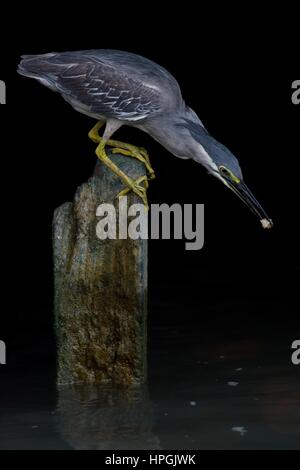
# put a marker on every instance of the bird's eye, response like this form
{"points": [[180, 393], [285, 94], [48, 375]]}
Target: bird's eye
{"points": [[228, 174], [224, 171]]}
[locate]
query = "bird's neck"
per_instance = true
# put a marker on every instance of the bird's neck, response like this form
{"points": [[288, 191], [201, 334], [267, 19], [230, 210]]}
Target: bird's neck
{"points": [[174, 134], [188, 114]]}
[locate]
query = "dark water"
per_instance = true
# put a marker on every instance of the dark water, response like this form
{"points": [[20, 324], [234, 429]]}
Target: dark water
{"points": [[204, 392]]}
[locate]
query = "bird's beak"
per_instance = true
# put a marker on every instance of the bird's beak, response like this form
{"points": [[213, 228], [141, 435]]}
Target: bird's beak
{"points": [[244, 193]]}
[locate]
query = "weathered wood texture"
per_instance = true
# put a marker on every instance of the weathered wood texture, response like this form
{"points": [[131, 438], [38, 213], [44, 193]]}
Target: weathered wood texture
{"points": [[100, 288]]}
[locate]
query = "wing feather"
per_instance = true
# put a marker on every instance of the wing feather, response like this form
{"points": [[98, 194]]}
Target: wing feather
{"points": [[107, 91]]}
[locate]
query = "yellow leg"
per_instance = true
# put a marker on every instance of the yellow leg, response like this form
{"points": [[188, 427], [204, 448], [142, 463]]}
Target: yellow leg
{"points": [[93, 134], [124, 149], [135, 186]]}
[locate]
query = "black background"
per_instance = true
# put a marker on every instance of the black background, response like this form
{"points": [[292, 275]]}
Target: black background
{"points": [[238, 79]]}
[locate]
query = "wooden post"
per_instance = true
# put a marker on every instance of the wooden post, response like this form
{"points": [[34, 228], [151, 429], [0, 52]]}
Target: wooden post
{"points": [[100, 288]]}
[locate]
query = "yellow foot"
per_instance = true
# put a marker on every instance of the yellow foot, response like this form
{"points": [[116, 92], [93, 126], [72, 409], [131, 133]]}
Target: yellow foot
{"points": [[131, 184], [141, 191], [124, 149], [132, 151], [129, 150]]}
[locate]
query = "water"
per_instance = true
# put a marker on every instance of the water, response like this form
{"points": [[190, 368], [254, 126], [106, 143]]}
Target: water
{"points": [[203, 393]]}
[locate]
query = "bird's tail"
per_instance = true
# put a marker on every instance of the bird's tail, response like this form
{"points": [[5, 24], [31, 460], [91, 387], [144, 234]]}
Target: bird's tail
{"points": [[35, 64], [38, 67]]}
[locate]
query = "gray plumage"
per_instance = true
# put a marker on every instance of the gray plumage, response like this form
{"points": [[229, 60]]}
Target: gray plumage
{"points": [[107, 83], [124, 88], [119, 88]]}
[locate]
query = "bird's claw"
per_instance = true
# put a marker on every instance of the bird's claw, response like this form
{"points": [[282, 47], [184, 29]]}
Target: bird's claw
{"points": [[139, 190], [140, 154], [151, 175]]}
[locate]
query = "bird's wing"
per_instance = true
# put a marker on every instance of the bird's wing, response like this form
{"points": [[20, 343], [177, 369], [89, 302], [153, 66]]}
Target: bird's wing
{"points": [[104, 89]]}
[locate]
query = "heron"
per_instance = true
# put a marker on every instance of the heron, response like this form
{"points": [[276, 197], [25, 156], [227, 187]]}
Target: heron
{"points": [[122, 88]]}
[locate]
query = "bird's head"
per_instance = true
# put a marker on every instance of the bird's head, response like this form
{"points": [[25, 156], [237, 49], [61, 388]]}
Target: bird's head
{"points": [[222, 164]]}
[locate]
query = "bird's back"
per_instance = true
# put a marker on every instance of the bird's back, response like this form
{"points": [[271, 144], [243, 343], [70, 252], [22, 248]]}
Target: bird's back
{"points": [[135, 66], [98, 77]]}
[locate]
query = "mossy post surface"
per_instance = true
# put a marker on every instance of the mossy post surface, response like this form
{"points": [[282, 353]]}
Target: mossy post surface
{"points": [[100, 288]]}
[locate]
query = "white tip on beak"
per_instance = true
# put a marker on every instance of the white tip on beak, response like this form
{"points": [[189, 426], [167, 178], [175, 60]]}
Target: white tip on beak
{"points": [[266, 223]]}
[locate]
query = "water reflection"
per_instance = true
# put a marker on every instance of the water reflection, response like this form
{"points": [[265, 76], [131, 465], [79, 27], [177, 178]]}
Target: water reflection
{"points": [[187, 404], [93, 417]]}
